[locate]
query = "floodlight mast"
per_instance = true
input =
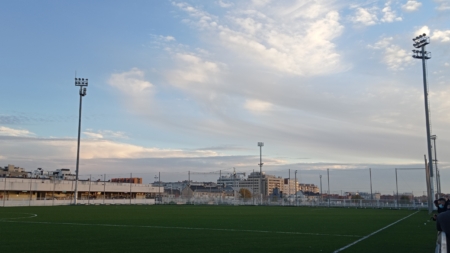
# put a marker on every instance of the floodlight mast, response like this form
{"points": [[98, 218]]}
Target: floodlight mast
{"points": [[260, 145], [82, 82], [438, 177], [420, 42]]}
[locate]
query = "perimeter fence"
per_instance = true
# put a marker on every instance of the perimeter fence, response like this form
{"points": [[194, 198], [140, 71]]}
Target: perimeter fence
{"points": [[359, 188]]}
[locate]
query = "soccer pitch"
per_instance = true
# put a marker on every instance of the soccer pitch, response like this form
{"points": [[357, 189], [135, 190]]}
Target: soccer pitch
{"points": [[188, 228]]}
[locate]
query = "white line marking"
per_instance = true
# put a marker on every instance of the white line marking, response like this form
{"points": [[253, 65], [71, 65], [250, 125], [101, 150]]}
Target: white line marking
{"points": [[33, 215], [369, 235], [188, 228]]}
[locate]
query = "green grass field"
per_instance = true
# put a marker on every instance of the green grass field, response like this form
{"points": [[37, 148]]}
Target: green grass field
{"points": [[185, 228]]}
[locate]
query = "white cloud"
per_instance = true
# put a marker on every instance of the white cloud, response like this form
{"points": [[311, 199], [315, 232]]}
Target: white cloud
{"points": [[299, 43], [389, 14], [225, 4], [168, 38], [365, 17], [443, 5], [6, 131], [257, 106], [394, 57], [422, 30], [441, 36], [133, 88], [193, 69], [48, 148], [411, 5], [105, 134], [131, 82], [93, 135], [447, 64]]}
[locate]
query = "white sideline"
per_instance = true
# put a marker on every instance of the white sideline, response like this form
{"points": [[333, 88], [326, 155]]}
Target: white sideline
{"points": [[369, 235], [33, 215], [188, 228]]}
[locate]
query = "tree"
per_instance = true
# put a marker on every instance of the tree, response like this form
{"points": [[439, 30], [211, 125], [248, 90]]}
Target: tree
{"points": [[245, 193], [357, 197]]}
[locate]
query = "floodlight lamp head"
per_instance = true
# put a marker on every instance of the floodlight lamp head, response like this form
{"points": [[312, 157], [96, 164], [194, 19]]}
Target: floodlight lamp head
{"points": [[81, 82], [260, 144]]}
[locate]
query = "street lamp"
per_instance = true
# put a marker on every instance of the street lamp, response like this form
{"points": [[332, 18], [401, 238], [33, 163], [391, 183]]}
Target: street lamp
{"points": [[83, 83], [420, 42], [260, 145]]}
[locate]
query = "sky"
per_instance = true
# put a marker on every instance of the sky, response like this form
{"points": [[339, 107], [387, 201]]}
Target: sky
{"points": [[178, 86]]}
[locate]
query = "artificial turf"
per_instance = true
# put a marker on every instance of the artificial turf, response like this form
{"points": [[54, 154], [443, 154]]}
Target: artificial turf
{"points": [[188, 228]]}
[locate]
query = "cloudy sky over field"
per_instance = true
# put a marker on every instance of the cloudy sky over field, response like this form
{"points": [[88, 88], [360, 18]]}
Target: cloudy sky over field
{"points": [[194, 85]]}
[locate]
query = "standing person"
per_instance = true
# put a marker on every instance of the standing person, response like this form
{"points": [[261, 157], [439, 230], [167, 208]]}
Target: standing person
{"points": [[443, 224]]}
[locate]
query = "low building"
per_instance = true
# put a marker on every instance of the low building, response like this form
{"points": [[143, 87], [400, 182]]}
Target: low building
{"points": [[45, 188], [268, 183], [195, 191], [309, 188], [12, 171]]}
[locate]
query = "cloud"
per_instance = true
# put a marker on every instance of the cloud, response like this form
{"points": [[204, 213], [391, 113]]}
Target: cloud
{"points": [[411, 5], [435, 35], [193, 69], [422, 30], [389, 14], [257, 106], [441, 36], [394, 57], [225, 4], [365, 17], [105, 134], [93, 135], [443, 5], [133, 88], [6, 131], [131, 82], [300, 43], [91, 148]]}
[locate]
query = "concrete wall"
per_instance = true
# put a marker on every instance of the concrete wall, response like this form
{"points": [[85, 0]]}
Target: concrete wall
{"points": [[46, 185]]}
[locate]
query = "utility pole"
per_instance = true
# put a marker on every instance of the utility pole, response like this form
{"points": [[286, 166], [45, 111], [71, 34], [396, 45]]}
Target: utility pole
{"points": [[420, 42], [82, 83]]}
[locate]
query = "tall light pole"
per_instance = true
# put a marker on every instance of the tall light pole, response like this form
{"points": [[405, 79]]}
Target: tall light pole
{"points": [[260, 145], [370, 176], [328, 177], [420, 42], [295, 183], [83, 83], [321, 196], [159, 184], [438, 176]]}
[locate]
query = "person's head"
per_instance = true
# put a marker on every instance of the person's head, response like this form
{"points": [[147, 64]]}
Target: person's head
{"points": [[441, 202]]}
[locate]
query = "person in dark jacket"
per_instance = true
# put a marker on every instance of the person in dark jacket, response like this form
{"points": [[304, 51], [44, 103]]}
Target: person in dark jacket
{"points": [[442, 204], [443, 224]]}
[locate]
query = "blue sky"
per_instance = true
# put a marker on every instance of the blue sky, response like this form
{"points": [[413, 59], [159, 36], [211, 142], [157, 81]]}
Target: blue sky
{"points": [[177, 86]]}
